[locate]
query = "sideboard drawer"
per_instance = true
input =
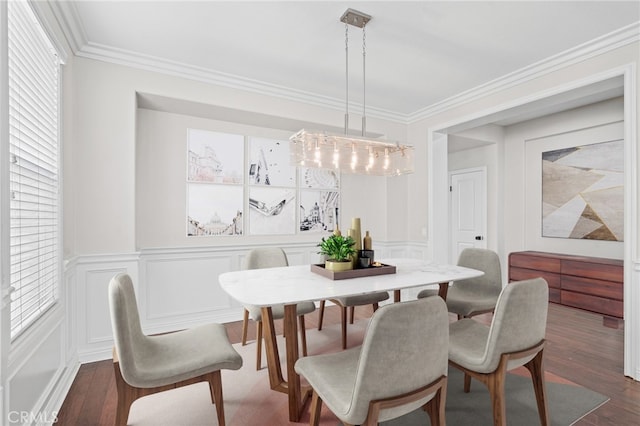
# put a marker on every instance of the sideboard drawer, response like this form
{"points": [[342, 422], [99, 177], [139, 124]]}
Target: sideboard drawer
{"points": [[597, 304], [600, 271], [521, 274], [606, 289], [530, 261]]}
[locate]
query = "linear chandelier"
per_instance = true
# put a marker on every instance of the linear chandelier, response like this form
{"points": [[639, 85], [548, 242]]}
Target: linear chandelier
{"points": [[351, 154]]}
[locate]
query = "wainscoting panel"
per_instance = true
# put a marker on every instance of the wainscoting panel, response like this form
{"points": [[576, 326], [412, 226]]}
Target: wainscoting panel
{"points": [[34, 372], [176, 288], [93, 326], [97, 317], [185, 287]]}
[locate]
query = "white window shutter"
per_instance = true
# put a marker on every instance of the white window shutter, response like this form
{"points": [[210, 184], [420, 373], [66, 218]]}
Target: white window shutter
{"points": [[34, 91]]}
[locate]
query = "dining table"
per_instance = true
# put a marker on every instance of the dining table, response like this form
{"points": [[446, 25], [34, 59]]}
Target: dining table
{"points": [[291, 285]]}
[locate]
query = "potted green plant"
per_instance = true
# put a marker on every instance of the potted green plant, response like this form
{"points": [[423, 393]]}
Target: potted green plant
{"points": [[339, 251]]}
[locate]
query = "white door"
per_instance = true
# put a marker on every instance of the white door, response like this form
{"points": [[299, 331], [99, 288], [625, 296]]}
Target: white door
{"points": [[468, 210]]}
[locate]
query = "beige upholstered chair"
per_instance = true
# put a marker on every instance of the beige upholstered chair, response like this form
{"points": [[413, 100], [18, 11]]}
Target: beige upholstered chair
{"points": [[271, 257], [401, 366], [148, 364], [351, 302], [477, 295], [515, 338]]}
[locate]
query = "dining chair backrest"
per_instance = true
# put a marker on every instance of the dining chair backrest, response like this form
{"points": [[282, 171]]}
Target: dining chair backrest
{"points": [[519, 321], [486, 261], [130, 341], [405, 348], [266, 257]]}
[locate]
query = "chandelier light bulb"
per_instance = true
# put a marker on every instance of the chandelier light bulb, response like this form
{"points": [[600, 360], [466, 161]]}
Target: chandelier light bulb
{"points": [[317, 154], [354, 157]]}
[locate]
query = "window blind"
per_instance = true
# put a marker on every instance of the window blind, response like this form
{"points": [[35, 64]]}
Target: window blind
{"points": [[33, 70]]}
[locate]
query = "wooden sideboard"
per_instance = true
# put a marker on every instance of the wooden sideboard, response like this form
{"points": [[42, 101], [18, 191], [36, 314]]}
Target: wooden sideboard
{"points": [[591, 283]]}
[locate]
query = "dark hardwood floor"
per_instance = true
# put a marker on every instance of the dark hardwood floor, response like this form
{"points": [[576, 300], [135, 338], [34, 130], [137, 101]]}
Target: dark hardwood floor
{"points": [[579, 349]]}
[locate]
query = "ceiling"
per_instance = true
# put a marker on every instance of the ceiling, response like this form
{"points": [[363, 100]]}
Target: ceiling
{"points": [[418, 53]]}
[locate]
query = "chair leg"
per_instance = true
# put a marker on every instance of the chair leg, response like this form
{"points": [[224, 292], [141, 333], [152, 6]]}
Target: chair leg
{"points": [[343, 320], [536, 369], [215, 386], [495, 383], [258, 345], [316, 407], [245, 325], [126, 396], [303, 335], [321, 315], [467, 383], [436, 406], [352, 312]]}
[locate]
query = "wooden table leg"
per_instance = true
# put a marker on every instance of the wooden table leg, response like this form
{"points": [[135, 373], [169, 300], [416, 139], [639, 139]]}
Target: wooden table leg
{"points": [[396, 296], [443, 290], [297, 395], [276, 380], [291, 331]]}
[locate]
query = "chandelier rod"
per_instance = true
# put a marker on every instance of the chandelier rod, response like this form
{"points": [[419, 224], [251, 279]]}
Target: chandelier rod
{"points": [[364, 91], [346, 51]]}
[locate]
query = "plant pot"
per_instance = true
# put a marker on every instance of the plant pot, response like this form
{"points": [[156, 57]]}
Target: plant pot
{"points": [[338, 265]]}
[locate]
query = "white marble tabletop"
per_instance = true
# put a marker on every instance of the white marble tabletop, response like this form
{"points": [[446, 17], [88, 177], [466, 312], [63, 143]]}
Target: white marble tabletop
{"points": [[293, 284]]}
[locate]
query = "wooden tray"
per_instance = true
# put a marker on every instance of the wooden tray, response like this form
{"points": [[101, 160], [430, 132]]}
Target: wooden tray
{"points": [[353, 273]]}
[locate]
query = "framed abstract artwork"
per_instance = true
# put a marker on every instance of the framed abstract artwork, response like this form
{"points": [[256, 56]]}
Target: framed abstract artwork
{"points": [[319, 178], [215, 157], [583, 192], [214, 210], [319, 211], [272, 211], [269, 163]]}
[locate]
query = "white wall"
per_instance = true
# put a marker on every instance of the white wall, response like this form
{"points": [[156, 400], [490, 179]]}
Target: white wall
{"points": [[104, 152], [524, 144], [129, 203]]}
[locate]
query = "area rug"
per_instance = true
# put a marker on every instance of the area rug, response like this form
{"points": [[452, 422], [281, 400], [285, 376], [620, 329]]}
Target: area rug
{"points": [[248, 401]]}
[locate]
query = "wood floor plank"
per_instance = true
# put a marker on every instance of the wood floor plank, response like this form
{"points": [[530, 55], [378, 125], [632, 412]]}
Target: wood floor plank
{"points": [[580, 349], [94, 400], [72, 406]]}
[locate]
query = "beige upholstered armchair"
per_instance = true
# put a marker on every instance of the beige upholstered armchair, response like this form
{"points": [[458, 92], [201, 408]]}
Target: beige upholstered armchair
{"points": [[271, 257], [401, 366], [148, 364], [515, 338], [477, 295]]}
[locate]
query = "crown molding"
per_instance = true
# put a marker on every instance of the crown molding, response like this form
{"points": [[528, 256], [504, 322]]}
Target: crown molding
{"points": [[69, 20], [161, 65], [616, 39]]}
